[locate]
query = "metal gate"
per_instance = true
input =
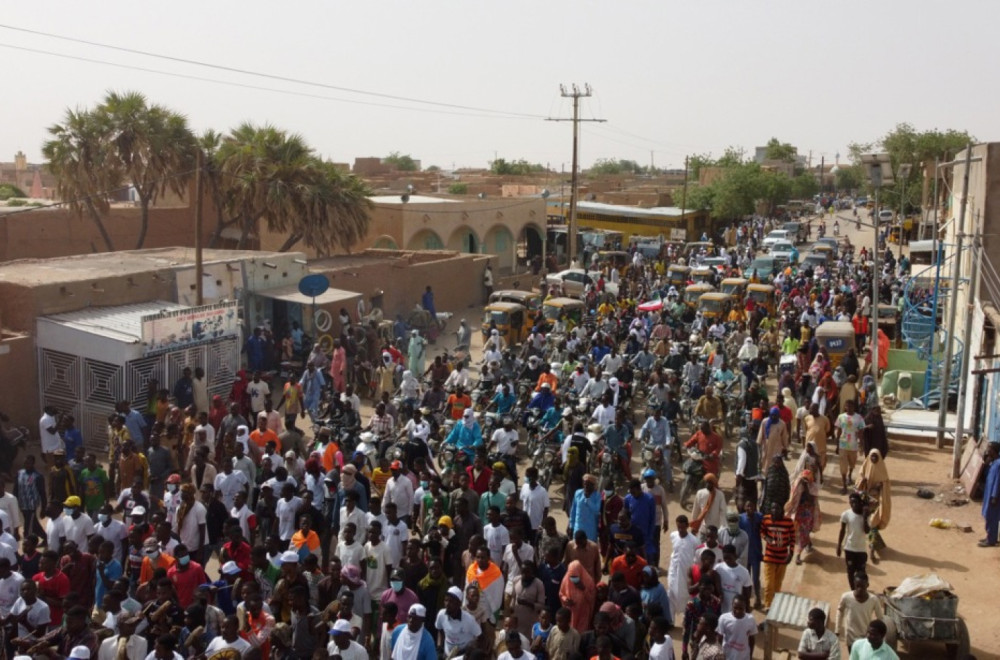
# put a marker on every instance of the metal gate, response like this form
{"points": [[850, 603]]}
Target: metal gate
{"points": [[89, 389]]}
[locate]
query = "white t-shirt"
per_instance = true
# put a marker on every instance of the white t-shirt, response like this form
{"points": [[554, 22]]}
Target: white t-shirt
{"points": [[243, 515], [258, 392], [286, 511], [376, 575], [505, 440], [353, 652], [50, 441], [497, 538], [351, 555], [664, 651], [219, 644], [855, 539], [736, 634], [38, 615], [513, 569], [395, 536], [53, 530], [535, 501], [116, 532], [458, 633], [77, 529], [10, 591], [524, 656], [189, 533], [229, 485], [734, 580]]}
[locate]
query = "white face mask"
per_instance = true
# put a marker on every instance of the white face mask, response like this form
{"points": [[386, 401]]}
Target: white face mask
{"points": [[172, 488]]}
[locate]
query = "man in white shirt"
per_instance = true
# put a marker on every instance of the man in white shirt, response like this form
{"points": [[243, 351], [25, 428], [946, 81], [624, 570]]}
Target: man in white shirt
{"points": [[112, 530], [661, 647], [229, 482], [397, 533], [737, 631], [516, 553], [259, 391], [10, 586], [735, 578], [712, 501], [604, 414], [229, 639], [534, 499], [817, 639], [191, 529], [458, 631], [286, 510], [136, 646], [399, 491], [341, 644], [76, 525], [48, 431], [9, 507]]}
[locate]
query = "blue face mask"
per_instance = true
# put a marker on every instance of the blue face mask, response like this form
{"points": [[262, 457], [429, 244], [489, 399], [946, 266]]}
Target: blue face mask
{"points": [[396, 585], [424, 484], [183, 561], [67, 511]]}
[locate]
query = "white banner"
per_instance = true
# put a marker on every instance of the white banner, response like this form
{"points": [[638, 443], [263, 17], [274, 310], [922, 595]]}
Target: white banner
{"points": [[171, 330]]}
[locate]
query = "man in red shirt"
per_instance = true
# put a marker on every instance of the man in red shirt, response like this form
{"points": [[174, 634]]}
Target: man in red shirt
{"points": [[237, 550], [80, 568], [709, 443], [479, 474], [53, 585], [185, 575], [262, 435], [630, 566]]}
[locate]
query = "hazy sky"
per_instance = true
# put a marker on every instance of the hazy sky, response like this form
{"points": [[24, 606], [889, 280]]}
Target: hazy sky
{"points": [[670, 77]]}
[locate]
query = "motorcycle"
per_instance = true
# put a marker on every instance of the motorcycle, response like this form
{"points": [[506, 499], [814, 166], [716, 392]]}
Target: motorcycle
{"points": [[694, 472]]}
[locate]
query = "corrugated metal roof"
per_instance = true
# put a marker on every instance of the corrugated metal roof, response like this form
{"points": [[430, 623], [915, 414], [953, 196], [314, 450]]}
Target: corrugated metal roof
{"points": [[122, 323], [628, 211], [791, 611]]}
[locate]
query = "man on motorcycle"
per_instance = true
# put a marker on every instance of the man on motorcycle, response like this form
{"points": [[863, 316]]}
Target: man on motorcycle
{"points": [[532, 370], [458, 403], [505, 442], [466, 434], [617, 439], [503, 401], [709, 406], [434, 398], [708, 443], [579, 379], [458, 378]]}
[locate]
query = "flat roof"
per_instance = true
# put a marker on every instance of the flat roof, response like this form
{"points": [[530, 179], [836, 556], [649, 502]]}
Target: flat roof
{"points": [[122, 323], [414, 199], [634, 211], [84, 267]]}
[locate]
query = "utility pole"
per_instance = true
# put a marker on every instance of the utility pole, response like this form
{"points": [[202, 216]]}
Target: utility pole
{"points": [[684, 195], [970, 307], [822, 164], [576, 94], [949, 351], [199, 267]]}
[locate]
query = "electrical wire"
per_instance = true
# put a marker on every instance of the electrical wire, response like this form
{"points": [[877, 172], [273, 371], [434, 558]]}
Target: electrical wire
{"points": [[248, 86], [269, 76]]}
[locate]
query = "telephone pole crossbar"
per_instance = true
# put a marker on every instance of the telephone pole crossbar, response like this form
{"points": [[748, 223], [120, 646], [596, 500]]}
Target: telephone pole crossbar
{"points": [[576, 94]]}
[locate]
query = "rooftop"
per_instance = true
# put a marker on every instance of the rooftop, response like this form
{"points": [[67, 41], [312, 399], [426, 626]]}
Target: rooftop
{"points": [[630, 211], [414, 199], [86, 267], [122, 323]]}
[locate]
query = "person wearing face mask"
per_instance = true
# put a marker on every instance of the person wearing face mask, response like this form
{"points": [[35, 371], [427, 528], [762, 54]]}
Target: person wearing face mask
{"points": [[577, 593], [466, 435], [185, 575], [75, 524], [153, 559], [172, 498], [112, 530], [397, 593]]}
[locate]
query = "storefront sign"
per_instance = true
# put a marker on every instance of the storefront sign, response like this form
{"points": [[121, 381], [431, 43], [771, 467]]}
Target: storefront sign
{"points": [[176, 329]]}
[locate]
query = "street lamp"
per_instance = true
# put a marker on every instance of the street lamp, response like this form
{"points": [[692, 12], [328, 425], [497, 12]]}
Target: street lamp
{"points": [[877, 167]]}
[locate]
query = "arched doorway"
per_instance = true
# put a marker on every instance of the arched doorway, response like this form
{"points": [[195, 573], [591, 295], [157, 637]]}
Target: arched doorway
{"points": [[385, 243], [425, 239], [464, 239], [500, 241], [530, 244]]}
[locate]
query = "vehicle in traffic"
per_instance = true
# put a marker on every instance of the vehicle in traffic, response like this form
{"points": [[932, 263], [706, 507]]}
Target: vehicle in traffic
{"points": [[573, 282], [823, 248], [531, 300], [715, 305], [763, 294], [831, 241], [763, 266], [718, 263], [569, 310], [697, 246], [796, 231], [734, 287], [694, 292], [774, 237], [885, 215], [783, 250], [677, 275], [509, 319], [702, 275], [837, 337], [813, 259]]}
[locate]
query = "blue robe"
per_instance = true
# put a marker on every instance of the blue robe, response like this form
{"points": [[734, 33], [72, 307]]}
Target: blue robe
{"points": [[426, 650], [991, 512], [584, 513]]}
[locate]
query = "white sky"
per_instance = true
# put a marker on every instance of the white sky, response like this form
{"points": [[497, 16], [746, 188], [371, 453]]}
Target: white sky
{"points": [[672, 77]]}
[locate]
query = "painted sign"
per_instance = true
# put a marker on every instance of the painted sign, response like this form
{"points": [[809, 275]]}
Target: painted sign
{"points": [[181, 328], [678, 234]]}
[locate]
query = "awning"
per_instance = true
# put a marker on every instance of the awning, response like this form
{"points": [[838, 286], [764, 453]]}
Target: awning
{"points": [[290, 293]]}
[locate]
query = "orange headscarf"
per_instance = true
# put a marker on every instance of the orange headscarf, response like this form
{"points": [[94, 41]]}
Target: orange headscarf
{"points": [[579, 597]]}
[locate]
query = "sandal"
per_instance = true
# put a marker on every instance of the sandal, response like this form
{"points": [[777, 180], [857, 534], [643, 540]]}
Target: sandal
{"points": [[798, 561], [986, 544]]}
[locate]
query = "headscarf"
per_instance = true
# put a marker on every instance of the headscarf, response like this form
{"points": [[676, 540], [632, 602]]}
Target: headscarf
{"points": [[407, 645], [614, 613], [572, 460], [773, 416], [875, 434], [582, 597], [408, 379], [468, 419], [805, 478], [875, 477], [348, 477], [806, 461]]}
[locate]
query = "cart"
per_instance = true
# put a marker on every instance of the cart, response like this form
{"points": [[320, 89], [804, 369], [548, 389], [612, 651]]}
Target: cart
{"points": [[926, 619]]}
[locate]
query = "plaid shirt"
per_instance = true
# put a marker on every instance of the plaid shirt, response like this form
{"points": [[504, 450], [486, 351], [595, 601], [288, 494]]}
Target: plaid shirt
{"points": [[30, 490]]}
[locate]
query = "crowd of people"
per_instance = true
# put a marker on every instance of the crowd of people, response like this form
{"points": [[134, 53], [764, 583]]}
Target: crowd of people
{"points": [[217, 527]]}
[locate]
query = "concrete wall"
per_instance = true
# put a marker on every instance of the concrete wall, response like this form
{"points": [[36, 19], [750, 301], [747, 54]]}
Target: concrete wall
{"points": [[20, 399]]}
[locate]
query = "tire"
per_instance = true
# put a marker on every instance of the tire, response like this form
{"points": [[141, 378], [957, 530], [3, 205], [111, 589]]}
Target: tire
{"points": [[685, 492], [961, 648], [323, 320], [326, 343]]}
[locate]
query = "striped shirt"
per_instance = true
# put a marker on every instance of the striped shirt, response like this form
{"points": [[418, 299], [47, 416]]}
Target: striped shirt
{"points": [[779, 539]]}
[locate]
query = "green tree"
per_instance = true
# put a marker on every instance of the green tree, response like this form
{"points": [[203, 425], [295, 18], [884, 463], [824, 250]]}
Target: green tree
{"points": [[8, 190], [401, 162], [502, 167], [458, 189], [783, 151], [850, 177], [153, 145], [732, 156], [273, 177], [84, 168], [696, 163], [804, 186]]}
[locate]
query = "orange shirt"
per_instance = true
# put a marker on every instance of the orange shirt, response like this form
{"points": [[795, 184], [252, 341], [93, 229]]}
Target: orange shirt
{"points": [[458, 404], [632, 572], [549, 378], [331, 458], [261, 438], [146, 572]]}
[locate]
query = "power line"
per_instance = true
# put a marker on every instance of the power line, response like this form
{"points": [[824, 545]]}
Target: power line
{"points": [[269, 76], [248, 86]]}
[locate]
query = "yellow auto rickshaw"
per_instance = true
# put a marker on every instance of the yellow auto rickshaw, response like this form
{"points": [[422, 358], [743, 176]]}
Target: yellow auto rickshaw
{"points": [[702, 275], [509, 319], [825, 250], [735, 287], [569, 310], [694, 292], [837, 337], [763, 294], [531, 300], [618, 259], [678, 276], [715, 305], [697, 246]]}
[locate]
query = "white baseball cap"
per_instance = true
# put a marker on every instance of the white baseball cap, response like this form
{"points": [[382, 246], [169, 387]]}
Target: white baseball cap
{"points": [[80, 652], [289, 557], [341, 627]]}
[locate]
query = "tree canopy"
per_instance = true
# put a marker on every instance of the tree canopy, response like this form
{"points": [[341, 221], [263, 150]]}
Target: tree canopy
{"points": [[401, 162], [783, 151], [503, 167]]}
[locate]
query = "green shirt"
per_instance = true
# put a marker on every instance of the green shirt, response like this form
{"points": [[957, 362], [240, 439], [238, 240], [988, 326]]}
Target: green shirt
{"points": [[94, 484]]}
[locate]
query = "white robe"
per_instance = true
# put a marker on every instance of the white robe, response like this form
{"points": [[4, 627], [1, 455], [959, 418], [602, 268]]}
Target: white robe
{"points": [[681, 559]]}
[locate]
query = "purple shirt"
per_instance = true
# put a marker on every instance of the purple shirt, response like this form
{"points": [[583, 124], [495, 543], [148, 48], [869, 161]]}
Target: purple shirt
{"points": [[404, 600]]}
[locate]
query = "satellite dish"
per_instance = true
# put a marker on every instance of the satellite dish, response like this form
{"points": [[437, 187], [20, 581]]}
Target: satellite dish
{"points": [[404, 198], [592, 196], [545, 193], [409, 187], [482, 195], [314, 285]]}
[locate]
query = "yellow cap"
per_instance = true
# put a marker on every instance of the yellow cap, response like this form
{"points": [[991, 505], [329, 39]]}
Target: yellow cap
{"points": [[72, 500], [446, 521]]}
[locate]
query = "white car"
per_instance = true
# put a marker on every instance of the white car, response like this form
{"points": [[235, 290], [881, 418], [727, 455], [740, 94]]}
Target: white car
{"points": [[574, 281], [781, 250], [775, 236]]}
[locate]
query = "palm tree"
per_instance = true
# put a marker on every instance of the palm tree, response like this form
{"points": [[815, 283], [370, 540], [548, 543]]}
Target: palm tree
{"points": [[271, 176], [153, 145], [211, 176], [85, 175]]}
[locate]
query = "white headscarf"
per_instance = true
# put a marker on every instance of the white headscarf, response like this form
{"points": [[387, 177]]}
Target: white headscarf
{"points": [[407, 646], [469, 418]]}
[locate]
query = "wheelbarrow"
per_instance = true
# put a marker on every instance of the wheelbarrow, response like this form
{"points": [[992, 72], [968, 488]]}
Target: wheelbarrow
{"points": [[931, 618]]}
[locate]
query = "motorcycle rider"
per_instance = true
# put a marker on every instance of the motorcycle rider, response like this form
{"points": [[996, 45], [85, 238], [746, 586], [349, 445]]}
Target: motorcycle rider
{"points": [[505, 441], [503, 401], [532, 370], [459, 377], [616, 440], [466, 434], [709, 406], [709, 444], [579, 379]]}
